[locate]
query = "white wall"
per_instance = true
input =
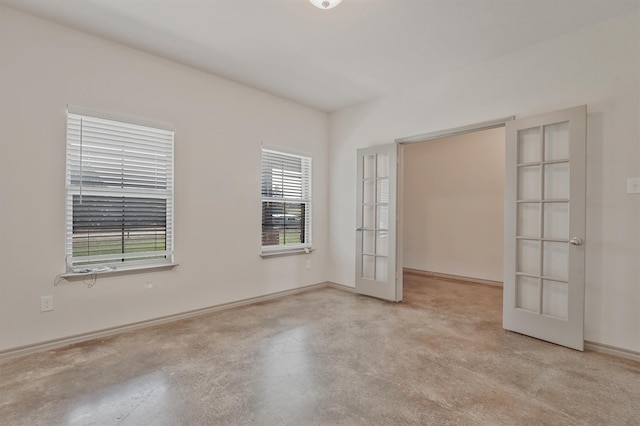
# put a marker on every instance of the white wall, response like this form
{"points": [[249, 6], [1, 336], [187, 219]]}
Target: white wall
{"points": [[597, 66], [220, 127], [453, 212]]}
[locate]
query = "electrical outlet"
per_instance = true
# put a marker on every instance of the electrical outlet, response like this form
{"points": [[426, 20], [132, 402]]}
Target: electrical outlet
{"points": [[46, 303]]}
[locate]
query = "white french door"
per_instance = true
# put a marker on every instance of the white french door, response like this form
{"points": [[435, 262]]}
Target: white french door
{"points": [[545, 227], [377, 260]]}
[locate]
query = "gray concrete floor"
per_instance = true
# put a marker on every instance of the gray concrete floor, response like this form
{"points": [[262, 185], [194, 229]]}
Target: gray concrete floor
{"points": [[326, 357]]}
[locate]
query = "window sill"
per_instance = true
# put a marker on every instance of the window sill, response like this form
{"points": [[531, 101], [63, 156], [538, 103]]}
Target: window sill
{"points": [[122, 270], [280, 253]]}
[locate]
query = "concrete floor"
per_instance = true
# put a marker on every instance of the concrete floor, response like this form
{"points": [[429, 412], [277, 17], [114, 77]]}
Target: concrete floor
{"points": [[326, 357]]}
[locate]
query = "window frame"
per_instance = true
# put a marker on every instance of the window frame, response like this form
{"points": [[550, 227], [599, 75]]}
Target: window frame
{"points": [[306, 163], [129, 194]]}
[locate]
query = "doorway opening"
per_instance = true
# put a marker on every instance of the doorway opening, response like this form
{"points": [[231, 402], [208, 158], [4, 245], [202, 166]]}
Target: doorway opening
{"points": [[453, 211]]}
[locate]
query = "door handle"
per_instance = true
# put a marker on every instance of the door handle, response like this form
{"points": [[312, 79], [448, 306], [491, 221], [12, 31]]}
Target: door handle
{"points": [[575, 241], [358, 229]]}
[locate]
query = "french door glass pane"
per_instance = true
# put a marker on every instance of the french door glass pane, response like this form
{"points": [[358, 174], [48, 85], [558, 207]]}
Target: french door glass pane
{"points": [[556, 260], [368, 267], [381, 268], [382, 243], [555, 299], [368, 217], [529, 145], [556, 220], [556, 141], [556, 181], [383, 165], [382, 194], [369, 169], [528, 257], [368, 242], [528, 220], [528, 293], [368, 191], [383, 217], [529, 183]]}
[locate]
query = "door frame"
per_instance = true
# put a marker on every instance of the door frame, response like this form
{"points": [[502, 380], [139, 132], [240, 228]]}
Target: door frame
{"points": [[425, 137], [454, 131]]}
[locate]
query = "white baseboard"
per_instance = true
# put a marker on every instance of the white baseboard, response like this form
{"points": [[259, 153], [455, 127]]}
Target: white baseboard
{"points": [[450, 277], [83, 337], [612, 350], [341, 287]]}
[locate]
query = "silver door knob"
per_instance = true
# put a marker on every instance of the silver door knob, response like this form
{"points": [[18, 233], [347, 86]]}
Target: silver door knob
{"points": [[575, 241]]}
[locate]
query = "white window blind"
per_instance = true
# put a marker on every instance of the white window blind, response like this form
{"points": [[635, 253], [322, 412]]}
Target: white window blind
{"points": [[286, 201], [119, 198]]}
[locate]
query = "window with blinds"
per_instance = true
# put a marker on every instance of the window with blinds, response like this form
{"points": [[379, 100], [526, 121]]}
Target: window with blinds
{"points": [[119, 193], [286, 201]]}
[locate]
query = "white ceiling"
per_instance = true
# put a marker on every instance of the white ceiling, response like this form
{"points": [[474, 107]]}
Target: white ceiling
{"points": [[327, 59]]}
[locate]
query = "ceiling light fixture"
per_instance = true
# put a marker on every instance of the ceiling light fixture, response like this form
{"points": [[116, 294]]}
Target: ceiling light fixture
{"points": [[325, 4]]}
